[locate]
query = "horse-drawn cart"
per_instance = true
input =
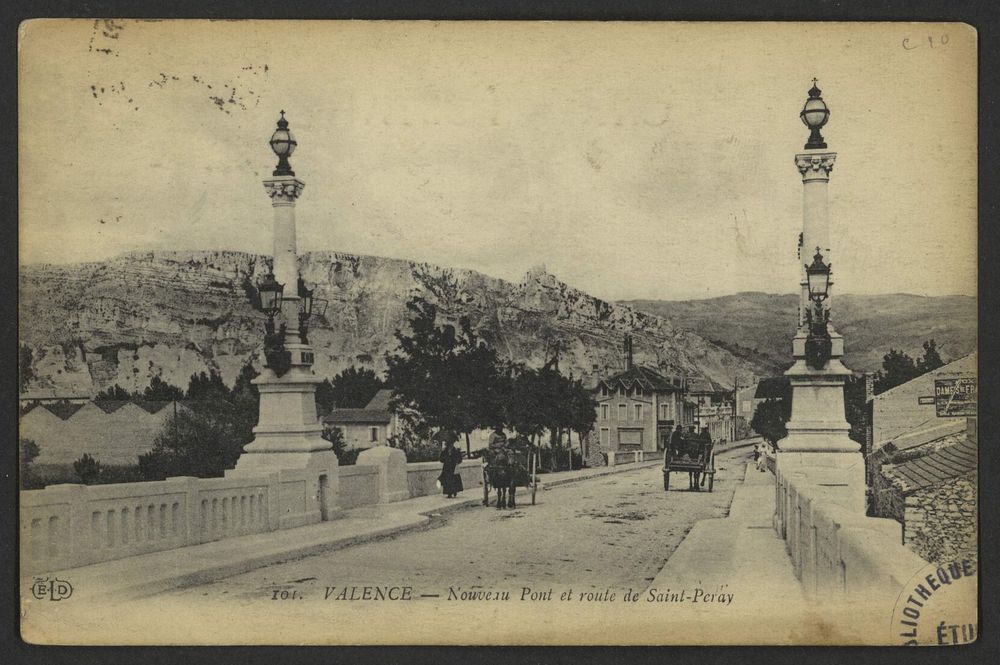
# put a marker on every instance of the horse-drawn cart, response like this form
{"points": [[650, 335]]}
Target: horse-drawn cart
{"points": [[507, 468], [698, 461]]}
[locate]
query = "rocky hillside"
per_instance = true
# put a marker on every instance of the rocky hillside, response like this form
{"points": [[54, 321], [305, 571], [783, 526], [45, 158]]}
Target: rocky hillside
{"points": [[759, 326], [175, 313]]}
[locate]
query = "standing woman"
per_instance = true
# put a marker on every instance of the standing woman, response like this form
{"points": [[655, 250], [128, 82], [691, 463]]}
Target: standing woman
{"points": [[451, 457]]}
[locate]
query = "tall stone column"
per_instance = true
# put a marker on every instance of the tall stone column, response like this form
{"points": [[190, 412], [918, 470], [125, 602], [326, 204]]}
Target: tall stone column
{"points": [[815, 167], [817, 450], [288, 436]]}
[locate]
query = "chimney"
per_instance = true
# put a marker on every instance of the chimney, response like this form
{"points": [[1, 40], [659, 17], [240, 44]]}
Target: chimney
{"points": [[628, 352]]}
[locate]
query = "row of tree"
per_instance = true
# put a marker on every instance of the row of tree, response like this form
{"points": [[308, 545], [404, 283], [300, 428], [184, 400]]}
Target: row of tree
{"points": [[447, 382]]}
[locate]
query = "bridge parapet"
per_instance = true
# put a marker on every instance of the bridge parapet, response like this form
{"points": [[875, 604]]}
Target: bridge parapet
{"points": [[837, 552]]}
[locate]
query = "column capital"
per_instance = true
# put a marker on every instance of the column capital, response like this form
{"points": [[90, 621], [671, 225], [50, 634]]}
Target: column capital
{"points": [[283, 189], [815, 165]]}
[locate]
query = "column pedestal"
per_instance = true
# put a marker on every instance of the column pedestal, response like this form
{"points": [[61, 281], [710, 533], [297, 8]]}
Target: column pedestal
{"points": [[818, 449], [288, 444]]}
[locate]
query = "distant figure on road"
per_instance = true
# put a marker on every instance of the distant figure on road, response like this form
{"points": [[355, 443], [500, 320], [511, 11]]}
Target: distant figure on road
{"points": [[451, 457], [677, 441], [760, 457]]}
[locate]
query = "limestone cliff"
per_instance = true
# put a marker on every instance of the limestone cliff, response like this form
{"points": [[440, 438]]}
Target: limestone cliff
{"points": [[175, 313]]}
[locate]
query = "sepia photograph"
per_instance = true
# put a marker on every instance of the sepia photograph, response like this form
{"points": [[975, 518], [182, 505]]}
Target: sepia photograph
{"points": [[497, 333]]}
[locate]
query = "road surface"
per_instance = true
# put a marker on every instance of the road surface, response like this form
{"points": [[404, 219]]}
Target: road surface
{"points": [[612, 532]]}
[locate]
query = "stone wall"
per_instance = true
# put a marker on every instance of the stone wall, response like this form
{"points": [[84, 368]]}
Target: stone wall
{"points": [[940, 522], [838, 553], [886, 498]]}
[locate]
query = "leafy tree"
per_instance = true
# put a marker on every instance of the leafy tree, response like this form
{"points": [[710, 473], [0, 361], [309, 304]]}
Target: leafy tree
{"points": [[770, 417], [325, 400], [160, 390], [582, 408], [441, 375], [855, 407], [931, 359], [87, 469], [528, 410], [243, 386], [245, 399], [25, 372], [207, 386], [351, 389], [29, 452], [345, 456], [897, 368], [195, 444], [114, 393]]}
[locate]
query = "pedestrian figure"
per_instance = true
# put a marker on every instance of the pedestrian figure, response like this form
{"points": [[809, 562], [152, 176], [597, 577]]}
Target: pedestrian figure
{"points": [[706, 450], [451, 457], [760, 458]]}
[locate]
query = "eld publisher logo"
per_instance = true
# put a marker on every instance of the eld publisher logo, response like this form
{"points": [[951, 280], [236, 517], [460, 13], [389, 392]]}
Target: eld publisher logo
{"points": [[51, 589]]}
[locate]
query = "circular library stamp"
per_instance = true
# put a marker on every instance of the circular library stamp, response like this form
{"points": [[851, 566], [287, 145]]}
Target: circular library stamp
{"points": [[938, 606]]}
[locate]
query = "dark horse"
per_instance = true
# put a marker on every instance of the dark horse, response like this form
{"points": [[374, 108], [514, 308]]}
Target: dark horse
{"points": [[504, 472]]}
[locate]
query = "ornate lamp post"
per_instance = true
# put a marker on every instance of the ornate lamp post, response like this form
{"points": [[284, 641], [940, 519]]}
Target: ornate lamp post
{"points": [[814, 115], [818, 343], [817, 447], [287, 438]]}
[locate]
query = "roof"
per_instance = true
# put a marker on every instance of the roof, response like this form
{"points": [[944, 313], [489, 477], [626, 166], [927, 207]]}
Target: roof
{"points": [[381, 400], [62, 409], [702, 385], [925, 432], [775, 387], [958, 457], [646, 377], [110, 405], [155, 406], [360, 416]]}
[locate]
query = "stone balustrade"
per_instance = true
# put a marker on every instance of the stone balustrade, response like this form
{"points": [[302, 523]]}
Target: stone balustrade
{"points": [[65, 526], [837, 552]]}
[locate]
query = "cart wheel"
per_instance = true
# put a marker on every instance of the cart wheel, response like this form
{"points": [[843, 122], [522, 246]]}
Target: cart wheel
{"points": [[666, 481]]}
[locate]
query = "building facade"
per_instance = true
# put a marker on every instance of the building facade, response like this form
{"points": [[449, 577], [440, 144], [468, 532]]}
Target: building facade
{"points": [[908, 405], [638, 408], [373, 425]]}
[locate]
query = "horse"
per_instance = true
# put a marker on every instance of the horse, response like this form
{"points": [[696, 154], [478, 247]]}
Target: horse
{"points": [[695, 449], [504, 472]]}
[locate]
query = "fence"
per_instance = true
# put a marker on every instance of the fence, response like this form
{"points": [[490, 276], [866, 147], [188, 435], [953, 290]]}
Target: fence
{"points": [[65, 526], [73, 525]]}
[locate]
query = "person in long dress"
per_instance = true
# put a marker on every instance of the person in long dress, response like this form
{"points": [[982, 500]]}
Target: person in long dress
{"points": [[451, 482]]}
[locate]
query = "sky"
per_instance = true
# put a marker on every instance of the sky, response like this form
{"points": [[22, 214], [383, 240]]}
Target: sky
{"points": [[631, 160]]}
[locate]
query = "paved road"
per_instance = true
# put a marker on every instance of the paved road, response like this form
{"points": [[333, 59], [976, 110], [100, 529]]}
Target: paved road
{"points": [[612, 532]]}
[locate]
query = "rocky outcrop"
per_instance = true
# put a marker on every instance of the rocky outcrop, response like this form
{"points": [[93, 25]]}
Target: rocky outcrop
{"points": [[175, 313]]}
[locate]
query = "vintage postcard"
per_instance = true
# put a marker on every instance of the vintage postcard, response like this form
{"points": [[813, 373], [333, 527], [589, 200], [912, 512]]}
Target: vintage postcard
{"points": [[499, 333]]}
